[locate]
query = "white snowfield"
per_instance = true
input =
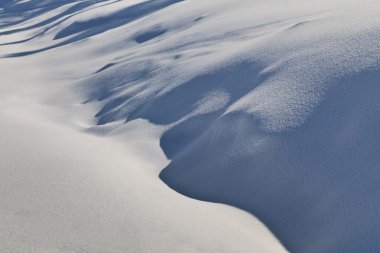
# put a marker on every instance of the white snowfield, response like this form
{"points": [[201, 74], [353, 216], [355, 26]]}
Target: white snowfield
{"points": [[270, 106]]}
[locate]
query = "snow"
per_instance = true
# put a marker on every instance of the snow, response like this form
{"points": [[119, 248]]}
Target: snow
{"points": [[269, 106], [65, 189]]}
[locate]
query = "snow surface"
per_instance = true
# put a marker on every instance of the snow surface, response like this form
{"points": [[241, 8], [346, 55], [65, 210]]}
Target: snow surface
{"points": [[266, 105], [63, 188]]}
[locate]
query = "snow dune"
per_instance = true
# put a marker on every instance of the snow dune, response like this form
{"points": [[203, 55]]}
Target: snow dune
{"points": [[63, 188], [64, 191], [269, 106]]}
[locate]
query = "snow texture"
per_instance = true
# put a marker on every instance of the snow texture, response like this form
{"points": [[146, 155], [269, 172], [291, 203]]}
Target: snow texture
{"points": [[269, 106]]}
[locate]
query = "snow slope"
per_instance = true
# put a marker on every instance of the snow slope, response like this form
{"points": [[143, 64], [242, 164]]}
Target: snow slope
{"points": [[270, 106], [64, 189]]}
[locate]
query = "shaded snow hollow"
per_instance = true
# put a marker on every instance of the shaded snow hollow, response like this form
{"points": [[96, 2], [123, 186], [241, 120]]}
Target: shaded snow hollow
{"points": [[269, 106]]}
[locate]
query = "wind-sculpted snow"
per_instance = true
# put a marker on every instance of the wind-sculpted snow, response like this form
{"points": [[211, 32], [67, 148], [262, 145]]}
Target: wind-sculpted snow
{"points": [[269, 106]]}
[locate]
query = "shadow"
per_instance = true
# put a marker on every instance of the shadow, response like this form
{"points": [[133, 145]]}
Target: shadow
{"points": [[4, 4], [105, 67], [149, 35], [23, 11], [81, 30], [190, 107], [74, 9], [179, 106], [316, 188]]}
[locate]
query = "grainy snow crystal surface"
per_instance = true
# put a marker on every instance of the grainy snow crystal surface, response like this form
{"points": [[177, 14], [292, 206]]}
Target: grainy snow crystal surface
{"points": [[271, 106]]}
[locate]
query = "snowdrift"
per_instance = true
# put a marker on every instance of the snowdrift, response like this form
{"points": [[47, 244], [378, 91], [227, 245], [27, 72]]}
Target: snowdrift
{"points": [[269, 106]]}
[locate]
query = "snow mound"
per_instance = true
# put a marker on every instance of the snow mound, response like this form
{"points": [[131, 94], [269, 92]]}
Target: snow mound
{"points": [[269, 106]]}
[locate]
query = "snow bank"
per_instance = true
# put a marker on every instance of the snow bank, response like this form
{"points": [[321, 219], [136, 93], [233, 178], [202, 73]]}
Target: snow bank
{"points": [[269, 106], [65, 189]]}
